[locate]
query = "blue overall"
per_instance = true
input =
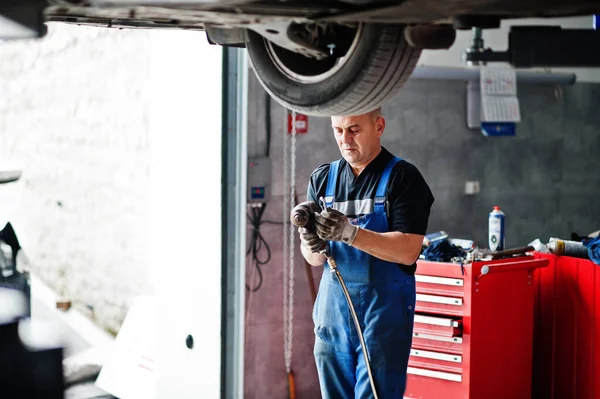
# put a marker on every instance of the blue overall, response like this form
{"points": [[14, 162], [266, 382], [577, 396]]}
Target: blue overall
{"points": [[384, 300]]}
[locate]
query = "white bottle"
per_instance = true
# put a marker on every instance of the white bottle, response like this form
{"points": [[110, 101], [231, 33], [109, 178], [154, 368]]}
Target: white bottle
{"points": [[496, 230]]}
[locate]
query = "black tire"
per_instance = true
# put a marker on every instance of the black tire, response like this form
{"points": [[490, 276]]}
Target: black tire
{"points": [[379, 63]]}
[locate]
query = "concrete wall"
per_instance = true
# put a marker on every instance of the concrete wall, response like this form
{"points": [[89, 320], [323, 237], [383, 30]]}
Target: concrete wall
{"points": [[545, 179], [75, 112]]}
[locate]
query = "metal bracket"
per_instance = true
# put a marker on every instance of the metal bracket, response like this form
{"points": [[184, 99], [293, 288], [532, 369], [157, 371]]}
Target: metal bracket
{"points": [[281, 33], [235, 37]]}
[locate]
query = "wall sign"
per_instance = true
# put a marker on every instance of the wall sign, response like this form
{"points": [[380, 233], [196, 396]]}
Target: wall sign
{"points": [[301, 123]]}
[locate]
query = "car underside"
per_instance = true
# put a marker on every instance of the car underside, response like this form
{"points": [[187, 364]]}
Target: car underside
{"points": [[336, 57], [188, 14]]}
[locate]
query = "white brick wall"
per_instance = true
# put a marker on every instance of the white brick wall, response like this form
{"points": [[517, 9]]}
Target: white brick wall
{"points": [[74, 114]]}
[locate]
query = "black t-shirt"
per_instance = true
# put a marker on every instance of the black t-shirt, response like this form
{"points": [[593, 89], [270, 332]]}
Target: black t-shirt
{"points": [[408, 196]]}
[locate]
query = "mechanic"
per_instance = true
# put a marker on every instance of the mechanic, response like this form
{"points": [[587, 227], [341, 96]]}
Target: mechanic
{"points": [[377, 213]]}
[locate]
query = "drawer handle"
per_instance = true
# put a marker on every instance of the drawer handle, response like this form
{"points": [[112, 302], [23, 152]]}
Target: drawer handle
{"points": [[455, 340], [508, 267], [439, 299], [434, 374], [436, 356], [436, 321], [454, 282]]}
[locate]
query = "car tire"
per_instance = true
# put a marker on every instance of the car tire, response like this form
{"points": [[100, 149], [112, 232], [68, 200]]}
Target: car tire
{"points": [[376, 66]]}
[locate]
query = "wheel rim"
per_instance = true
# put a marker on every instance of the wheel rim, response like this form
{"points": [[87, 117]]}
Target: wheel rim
{"points": [[315, 71]]}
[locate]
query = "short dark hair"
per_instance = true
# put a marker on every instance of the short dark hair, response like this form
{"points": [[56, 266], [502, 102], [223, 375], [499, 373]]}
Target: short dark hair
{"points": [[376, 113]]}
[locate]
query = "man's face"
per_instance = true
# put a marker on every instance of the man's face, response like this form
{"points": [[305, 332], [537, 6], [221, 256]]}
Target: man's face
{"points": [[358, 137]]}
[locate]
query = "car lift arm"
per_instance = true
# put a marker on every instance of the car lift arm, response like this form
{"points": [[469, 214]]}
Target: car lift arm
{"points": [[540, 46]]}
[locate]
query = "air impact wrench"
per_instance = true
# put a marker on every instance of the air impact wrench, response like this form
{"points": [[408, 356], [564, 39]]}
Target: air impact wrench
{"points": [[303, 215]]}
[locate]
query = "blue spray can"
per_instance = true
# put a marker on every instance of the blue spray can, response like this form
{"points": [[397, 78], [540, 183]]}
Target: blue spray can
{"points": [[496, 229]]}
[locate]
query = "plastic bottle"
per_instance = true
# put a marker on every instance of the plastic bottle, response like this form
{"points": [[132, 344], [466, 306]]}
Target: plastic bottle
{"points": [[496, 229]]}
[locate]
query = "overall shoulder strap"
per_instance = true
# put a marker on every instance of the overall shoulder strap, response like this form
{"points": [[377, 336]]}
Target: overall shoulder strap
{"points": [[331, 183], [380, 194]]}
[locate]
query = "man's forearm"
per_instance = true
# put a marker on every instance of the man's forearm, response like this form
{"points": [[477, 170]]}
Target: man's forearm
{"points": [[314, 259], [395, 247]]}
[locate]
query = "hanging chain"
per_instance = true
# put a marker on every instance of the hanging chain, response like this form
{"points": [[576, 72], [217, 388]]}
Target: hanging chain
{"points": [[289, 161], [292, 251], [286, 239]]}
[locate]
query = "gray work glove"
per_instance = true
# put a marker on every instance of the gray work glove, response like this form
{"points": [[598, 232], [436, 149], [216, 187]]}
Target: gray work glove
{"points": [[311, 241], [333, 225]]}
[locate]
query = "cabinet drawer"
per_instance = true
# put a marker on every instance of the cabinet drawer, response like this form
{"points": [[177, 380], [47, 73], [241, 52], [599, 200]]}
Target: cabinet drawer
{"points": [[446, 362], [439, 375], [439, 326], [439, 304], [435, 285], [436, 342]]}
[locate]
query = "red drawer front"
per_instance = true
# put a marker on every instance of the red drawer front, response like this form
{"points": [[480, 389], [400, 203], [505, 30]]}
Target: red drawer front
{"points": [[429, 384], [441, 326], [433, 376], [436, 285], [434, 360], [438, 304], [436, 342]]}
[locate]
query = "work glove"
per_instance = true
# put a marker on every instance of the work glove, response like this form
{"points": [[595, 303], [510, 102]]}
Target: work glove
{"points": [[333, 225], [311, 241]]}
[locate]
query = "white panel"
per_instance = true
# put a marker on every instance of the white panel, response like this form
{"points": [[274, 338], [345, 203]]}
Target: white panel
{"points": [[185, 175]]}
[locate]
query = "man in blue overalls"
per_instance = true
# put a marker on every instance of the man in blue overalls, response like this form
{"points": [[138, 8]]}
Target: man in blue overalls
{"points": [[377, 213]]}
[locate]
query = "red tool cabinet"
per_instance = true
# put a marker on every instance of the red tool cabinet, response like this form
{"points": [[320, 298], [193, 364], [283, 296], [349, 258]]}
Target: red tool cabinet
{"points": [[473, 331], [567, 329]]}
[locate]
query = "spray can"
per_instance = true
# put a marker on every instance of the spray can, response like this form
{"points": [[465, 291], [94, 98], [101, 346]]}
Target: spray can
{"points": [[496, 229]]}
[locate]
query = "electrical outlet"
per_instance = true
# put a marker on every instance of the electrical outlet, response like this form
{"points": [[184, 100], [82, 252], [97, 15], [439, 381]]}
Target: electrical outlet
{"points": [[259, 180], [472, 187]]}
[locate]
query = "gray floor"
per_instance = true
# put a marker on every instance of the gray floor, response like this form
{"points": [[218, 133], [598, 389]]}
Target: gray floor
{"points": [[73, 342]]}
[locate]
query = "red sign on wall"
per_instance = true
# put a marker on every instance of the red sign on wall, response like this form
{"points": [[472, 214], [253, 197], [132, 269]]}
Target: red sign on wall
{"points": [[301, 123]]}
